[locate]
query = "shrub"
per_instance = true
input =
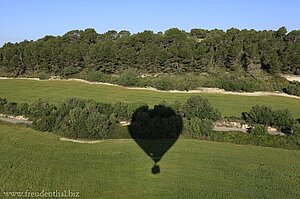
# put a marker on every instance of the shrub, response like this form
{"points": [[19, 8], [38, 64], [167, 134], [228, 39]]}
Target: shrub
{"points": [[197, 106], [23, 109], [67, 71], [293, 88], [10, 108], [129, 78], [43, 75], [45, 123], [197, 127], [163, 83], [3, 101], [265, 115], [120, 110], [40, 108], [259, 115], [259, 130]]}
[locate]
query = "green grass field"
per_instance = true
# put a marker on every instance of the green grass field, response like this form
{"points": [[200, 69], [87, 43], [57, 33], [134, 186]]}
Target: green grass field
{"points": [[36, 161], [230, 105]]}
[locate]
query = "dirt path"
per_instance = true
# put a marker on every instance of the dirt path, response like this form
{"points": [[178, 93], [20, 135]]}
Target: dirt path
{"points": [[200, 90], [15, 120], [226, 129], [292, 77], [91, 141]]}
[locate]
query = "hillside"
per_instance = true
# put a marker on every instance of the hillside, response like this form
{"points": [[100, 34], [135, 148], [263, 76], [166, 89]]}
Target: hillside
{"points": [[246, 60]]}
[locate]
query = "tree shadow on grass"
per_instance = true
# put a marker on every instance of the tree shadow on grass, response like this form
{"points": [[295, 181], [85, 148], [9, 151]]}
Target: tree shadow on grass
{"points": [[155, 131]]}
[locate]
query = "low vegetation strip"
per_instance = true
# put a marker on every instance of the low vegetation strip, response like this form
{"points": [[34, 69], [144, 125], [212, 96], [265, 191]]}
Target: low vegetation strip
{"points": [[191, 169], [87, 119], [20, 90]]}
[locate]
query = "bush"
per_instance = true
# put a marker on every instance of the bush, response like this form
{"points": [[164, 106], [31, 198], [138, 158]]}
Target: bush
{"points": [[163, 83], [197, 127], [120, 110], [129, 78], [259, 115], [283, 119], [259, 130], [45, 123], [3, 101], [10, 108], [67, 71], [40, 108], [197, 106], [293, 88], [296, 129], [265, 115], [43, 75], [23, 109], [98, 76]]}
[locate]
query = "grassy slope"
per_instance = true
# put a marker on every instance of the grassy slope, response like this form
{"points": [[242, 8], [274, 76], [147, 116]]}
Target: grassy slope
{"points": [[55, 91], [36, 161]]}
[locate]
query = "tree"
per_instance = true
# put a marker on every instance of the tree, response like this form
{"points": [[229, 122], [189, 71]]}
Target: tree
{"points": [[260, 115]]}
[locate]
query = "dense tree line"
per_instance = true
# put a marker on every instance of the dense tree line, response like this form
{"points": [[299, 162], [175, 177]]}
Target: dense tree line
{"points": [[83, 51]]}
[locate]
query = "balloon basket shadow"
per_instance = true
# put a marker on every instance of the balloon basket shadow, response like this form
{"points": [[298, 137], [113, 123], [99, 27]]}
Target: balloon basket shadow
{"points": [[155, 149], [155, 169]]}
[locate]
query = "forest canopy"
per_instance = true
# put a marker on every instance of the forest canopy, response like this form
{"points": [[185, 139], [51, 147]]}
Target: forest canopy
{"points": [[171, 51]]}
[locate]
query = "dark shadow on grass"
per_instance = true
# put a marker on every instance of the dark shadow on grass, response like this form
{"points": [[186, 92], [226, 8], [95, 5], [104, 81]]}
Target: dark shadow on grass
{"points": [[155, 131]]}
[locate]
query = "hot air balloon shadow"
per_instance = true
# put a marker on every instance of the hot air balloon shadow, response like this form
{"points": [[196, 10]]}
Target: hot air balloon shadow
{"points": [[155, 131]]}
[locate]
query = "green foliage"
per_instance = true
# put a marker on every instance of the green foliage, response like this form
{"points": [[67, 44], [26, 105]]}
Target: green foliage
{"points": [[280, 119], [84, 124], [40, 108], [259, 130], [163, 83], [120, 110], [260, 115], [3, 101], [293, 88], [197, 127], [296, 129], [10, 108], [129, 77], [197, 106], [88, 119], [69, 71], [45, 123], [23, 109]]}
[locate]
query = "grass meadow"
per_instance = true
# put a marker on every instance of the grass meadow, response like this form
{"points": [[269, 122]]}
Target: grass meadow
{"points": [[36, 161], [20, 90]]}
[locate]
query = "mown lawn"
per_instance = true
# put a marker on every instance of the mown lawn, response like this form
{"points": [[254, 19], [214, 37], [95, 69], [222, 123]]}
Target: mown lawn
{"points": [[19, 90], [36, 161]]}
